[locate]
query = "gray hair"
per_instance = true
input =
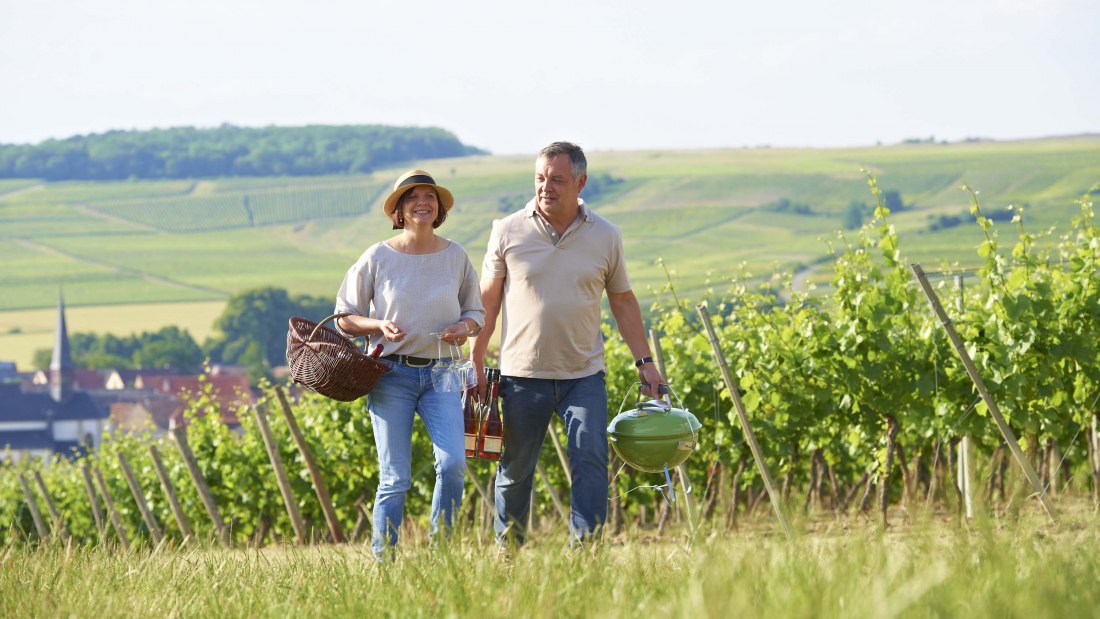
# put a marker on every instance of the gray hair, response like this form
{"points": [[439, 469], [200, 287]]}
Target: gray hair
{"points": [[577, 162]]}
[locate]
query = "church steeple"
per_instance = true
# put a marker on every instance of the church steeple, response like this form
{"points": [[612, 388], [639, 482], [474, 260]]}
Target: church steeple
{"points": [[61, 364]]}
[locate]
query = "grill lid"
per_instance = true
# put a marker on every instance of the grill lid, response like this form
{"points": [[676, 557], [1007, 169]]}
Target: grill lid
{"points": [[654, 419]]}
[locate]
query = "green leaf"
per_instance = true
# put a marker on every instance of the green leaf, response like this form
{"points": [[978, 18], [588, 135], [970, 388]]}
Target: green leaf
{"points": [[751, 400]]}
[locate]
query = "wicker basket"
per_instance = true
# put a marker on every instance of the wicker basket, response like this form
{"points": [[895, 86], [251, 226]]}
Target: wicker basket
{"points": [[329, 363]]}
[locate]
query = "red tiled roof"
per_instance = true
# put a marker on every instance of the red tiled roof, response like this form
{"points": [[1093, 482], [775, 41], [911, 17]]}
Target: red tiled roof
{"points": [[88, 380], [231, 392]]}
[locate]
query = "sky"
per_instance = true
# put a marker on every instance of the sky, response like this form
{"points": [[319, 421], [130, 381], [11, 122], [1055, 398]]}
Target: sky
{"points": [[513, 76]]}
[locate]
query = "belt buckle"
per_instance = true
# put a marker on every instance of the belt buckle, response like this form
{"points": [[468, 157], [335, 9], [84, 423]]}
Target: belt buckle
{"points": [[409, 363]]}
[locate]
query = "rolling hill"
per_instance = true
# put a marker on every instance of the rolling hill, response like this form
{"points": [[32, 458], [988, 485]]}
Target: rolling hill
{"points": [[705, 213]]}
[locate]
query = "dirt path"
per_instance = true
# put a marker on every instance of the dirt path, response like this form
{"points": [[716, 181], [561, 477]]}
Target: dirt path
{"points": [[801, 276], [798, 282], [5, 196]]}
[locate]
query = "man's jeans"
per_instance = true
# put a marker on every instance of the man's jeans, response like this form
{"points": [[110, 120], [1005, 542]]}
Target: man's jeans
{"points": [[528, 405], [391, 403]]}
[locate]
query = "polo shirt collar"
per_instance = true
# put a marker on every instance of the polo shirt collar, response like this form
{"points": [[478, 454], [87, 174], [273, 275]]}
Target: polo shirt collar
{"points": [[530, 210]]}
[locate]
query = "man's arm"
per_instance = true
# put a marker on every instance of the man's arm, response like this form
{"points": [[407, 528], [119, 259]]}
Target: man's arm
{"points": [[628, 316], [492, 294]]}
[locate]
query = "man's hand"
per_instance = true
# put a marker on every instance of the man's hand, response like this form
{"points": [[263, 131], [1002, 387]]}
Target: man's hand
{"points": [[492, 294], [651, 380]]}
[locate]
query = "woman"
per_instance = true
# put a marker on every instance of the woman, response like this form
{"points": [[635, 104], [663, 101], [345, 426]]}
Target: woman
{"points": [[403, 292]]}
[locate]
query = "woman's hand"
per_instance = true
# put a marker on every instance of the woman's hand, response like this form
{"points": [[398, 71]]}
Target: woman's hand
{"points": [[457, 333], [392, 332]]}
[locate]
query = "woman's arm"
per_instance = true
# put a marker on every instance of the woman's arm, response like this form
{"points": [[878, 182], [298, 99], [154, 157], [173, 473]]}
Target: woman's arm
{"points": [[361, 325]]}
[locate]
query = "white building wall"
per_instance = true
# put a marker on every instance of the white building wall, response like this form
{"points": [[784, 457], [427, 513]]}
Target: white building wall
{"points": [[78, 430], [23, 426], [66, 430]]}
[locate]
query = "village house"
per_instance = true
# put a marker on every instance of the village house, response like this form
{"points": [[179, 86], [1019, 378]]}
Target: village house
{"points": [[155, 399], [62, 419], [67, 410]]}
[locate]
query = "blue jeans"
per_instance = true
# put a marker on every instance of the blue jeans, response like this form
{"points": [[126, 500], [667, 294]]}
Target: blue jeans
{"points": [[528, 405], [392, 403]]}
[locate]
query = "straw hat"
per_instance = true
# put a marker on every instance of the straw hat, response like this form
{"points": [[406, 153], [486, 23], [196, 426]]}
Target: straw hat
{"points": [[414, 178]]}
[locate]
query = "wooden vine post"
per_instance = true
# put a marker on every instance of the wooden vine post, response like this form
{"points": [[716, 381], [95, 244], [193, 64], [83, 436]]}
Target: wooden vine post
{"points": [[1094, 460], [561, 453], [481, 490], [964, 478], [180, 434], [170, 492], [976, 378], [531, 511], [32, 504], [319, 487], [361, 518], [280, 476], [743, 417], [116, 522], [57, 525], [89, 488], [139, 498], [554, 498]]}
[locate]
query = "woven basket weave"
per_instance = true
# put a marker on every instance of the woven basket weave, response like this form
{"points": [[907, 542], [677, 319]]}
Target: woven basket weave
{"points": [[325, 361]]}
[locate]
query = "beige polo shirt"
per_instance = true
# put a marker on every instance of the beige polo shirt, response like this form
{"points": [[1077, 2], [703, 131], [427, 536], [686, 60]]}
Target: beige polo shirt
{"points": [[550, 315]]}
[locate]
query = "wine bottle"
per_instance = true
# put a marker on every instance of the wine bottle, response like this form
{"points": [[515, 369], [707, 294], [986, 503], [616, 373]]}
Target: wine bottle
{"points": [[471, 416], [491, 439]]}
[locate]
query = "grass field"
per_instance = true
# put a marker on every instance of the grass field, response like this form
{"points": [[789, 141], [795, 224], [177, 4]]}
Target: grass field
{"points": [[704, 212], [25, 331], [931, 569]]}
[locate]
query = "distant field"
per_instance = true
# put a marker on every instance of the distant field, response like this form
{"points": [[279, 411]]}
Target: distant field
{"points": [[704, 212], [25, 331], [9, 185]]}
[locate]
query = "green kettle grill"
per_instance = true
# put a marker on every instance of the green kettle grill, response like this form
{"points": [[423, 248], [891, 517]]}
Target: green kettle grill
{"points": [[655, 436]]}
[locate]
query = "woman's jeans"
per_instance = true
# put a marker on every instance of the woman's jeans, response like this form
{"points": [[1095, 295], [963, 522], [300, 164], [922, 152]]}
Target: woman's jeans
{"points": [[529, 404], [392, 403]]}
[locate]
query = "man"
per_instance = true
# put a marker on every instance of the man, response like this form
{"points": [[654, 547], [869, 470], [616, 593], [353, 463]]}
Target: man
{"points": [[545, 273]]}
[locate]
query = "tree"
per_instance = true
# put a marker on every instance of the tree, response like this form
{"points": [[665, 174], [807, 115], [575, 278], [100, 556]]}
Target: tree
{"points": [[892, 199], [598, 185], [170, 347], [258, 366], [853, 215], [186, 152], [260, 316]]}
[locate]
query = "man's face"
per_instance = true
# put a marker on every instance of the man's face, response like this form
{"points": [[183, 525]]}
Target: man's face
{"points": [[556, 191]]}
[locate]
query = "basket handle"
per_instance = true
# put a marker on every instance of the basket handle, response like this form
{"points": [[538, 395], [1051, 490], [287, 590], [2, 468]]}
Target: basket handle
{"points": [[322, 323]]}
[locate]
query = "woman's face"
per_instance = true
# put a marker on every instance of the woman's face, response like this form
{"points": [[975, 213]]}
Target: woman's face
{"points": [[420, 206]]}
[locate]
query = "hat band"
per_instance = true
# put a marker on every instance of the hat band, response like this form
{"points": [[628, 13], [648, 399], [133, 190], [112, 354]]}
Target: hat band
{"points": [[419, 179]]}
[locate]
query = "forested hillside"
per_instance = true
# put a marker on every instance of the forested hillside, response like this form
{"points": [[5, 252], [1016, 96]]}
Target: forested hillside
{"points": [[187, 152]]}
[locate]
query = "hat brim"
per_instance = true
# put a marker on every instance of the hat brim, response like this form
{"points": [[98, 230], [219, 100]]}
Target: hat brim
{"points": [[446, 200]]}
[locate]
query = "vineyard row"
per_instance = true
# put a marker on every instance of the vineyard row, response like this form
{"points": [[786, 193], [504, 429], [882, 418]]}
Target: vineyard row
{"points": [[244, 209], [857, 398]]}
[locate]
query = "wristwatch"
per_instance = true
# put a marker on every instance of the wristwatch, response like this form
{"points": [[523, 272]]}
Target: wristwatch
{"points": [[644, 360]]}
